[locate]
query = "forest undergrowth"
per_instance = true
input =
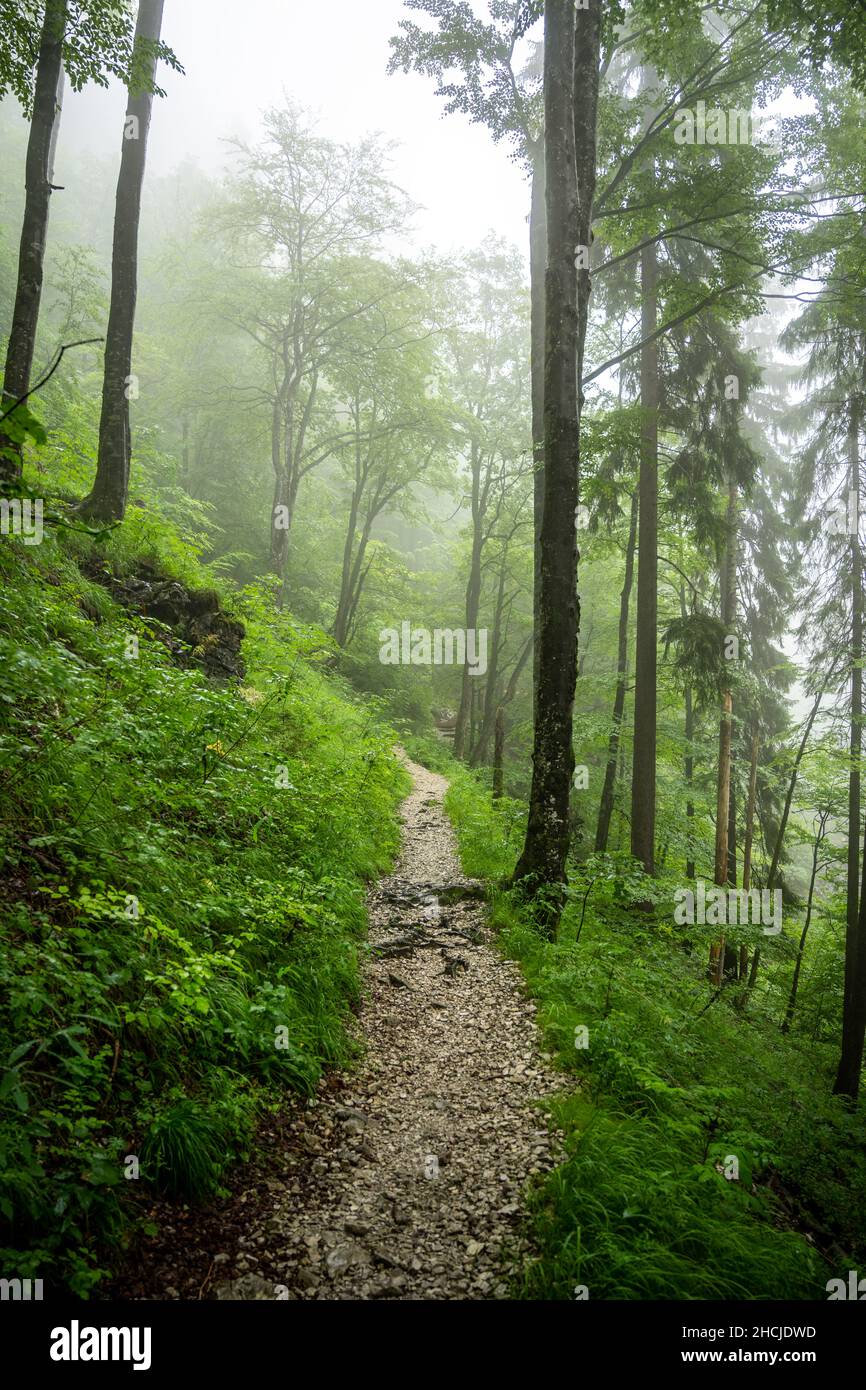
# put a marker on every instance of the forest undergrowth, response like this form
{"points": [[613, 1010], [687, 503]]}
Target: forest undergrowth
{"points": [[704, 1162], [183, 898]]}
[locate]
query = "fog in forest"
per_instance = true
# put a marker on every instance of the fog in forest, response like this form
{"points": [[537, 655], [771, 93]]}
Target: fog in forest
{"points": [[431, 662]]}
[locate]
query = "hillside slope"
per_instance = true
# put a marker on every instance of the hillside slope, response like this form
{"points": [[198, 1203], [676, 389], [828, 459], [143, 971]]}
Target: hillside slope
{"points": [[182, 886]]}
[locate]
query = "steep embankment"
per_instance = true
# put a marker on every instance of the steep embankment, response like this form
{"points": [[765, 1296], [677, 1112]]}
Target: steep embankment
{"points": [[182, 891]]}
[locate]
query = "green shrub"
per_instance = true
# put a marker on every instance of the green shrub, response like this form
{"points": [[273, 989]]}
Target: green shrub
{"points": [[672, 1086], [183, 894]]}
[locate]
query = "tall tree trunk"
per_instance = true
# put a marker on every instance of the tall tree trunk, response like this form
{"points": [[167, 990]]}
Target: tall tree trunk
{"points": [[643, 780], [344, 602], [733, 956], [282, 514], [723, 961], [107, 500], [288, 434], [39, 172], [286, 497], [643, 785], [723, 791], [279, 510], [473, 601], [847, 1081], [689, 760], [349, 601], [732, 822], [853, 878], [571, 53], [792, 997], [537, 272], [621, 774], [498, 753], [605, 809], [479, 747], [749, 834], [690, 774]]}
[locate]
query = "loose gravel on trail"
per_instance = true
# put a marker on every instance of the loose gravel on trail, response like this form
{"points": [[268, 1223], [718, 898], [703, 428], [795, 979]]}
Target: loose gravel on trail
{"points": [[403, 1178]]}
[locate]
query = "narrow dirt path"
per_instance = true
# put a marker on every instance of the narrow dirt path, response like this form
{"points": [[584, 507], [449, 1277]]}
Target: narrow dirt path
{"points": [[402, 1179]]}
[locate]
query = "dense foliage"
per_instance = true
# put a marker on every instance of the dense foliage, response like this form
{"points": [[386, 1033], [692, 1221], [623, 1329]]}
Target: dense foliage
{"points": [[670, 1087], [323, 447], [184, 879]]}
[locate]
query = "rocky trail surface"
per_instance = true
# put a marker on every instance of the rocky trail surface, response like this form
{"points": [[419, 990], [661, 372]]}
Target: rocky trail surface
{"points": [[403, 1178]]}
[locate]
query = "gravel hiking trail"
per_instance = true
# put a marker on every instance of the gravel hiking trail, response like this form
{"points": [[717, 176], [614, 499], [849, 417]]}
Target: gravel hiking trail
{"points": [[403, 1178]]}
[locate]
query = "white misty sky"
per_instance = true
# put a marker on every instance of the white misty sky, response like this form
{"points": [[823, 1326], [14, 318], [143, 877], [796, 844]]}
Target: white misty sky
{"points": [[241, 58]]}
